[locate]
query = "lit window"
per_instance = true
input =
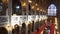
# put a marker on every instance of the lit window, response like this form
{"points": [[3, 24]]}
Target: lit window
{"points": [[52, 10]]}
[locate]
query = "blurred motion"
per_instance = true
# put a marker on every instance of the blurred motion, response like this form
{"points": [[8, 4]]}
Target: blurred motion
{"points": [[29, 17]]}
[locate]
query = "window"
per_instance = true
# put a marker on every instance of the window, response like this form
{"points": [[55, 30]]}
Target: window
{"points": [[3, 7], [16, 7], [52, 10], [3, 11]]}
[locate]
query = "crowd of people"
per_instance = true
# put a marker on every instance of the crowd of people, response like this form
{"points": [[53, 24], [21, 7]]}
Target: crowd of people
{"points": [[47, 26]]}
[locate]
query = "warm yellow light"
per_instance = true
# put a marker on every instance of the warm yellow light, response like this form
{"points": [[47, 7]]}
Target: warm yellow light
{"points": [[41, 10], [37, 8], [56, 23], [55, 20], [39, 19], [36, 4], [32, 7], [4, 1], [14, 14], [56, 27], [57, 32], [26, 22], [8, 27], [41, 32], [24, 4], [29, 1]]}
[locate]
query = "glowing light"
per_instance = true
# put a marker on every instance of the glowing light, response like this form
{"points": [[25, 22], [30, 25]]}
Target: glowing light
{"points": [[17, 7], [30, 1], [41, 10], [31, 18], [58, 33], [42, 17], [14, 14], [36, 4], [52, 10], [8, 27], [39, 19], [56, 27], [37, 8], [32, 7], [56, 23], [26, 22], [24, 4], [55, 20]]}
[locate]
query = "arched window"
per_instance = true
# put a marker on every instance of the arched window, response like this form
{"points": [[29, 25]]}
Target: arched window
{"points": [[16, 7], [52, 10]]}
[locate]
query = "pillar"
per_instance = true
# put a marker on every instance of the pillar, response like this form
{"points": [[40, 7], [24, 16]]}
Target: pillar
{"points": [[10, 13]]}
